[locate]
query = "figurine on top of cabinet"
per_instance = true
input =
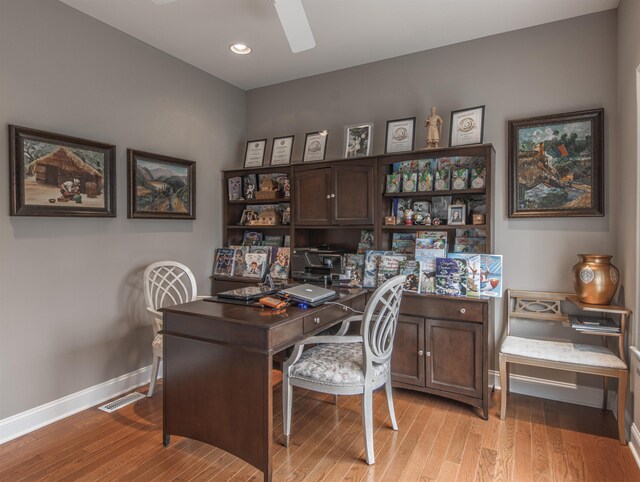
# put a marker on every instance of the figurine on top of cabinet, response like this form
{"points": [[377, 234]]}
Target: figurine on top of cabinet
{"points": [[434, 128]]}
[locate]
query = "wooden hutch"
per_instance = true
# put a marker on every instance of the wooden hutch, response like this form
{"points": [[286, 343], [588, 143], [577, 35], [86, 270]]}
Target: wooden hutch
{"points": [[441, 344]]}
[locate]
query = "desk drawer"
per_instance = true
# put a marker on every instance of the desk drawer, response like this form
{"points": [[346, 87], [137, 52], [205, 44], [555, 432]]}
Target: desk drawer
{"points": [[439, 308], [325, 316]]}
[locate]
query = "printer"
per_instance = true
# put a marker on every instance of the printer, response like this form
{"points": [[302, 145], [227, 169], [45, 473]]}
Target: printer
{"points": [[316, 265]]}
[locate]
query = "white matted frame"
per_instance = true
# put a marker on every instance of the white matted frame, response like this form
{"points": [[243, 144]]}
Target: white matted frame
{"points": [[315, 146], [281, 150], [400, 136], [357, 140], [467, 126]]}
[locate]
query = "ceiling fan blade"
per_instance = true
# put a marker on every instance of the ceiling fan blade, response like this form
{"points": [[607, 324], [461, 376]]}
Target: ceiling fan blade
{"points": [[295, 24]]}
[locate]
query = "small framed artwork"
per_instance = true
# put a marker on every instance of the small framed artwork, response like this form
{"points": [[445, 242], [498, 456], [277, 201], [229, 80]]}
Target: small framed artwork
{"points": [[315, 146], [281, 149], [467, 126], [254, 153], [248, 215], [400, 135], [160, 187], [357, 140], [58, 175], [457, 214], [556, 165]]}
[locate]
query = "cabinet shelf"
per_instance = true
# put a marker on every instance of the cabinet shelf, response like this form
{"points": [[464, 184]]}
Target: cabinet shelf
{"points": [[450, 192], [258, 226], [431, 227], [323, 226], [261, 201]]}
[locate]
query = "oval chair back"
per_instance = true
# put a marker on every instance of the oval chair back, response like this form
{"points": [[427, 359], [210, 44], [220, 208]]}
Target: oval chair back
{"points": [[168, 283], [379, 323]]}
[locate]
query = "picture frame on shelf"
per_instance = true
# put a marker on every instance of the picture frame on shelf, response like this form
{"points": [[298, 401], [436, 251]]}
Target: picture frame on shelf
{"points": [[566, 151], [357, 140], [248, 215], [58, 175], [160, 187], [467, 126], [281, 150], [400, 135], [315, 146], [254, 153], [457, 214]]}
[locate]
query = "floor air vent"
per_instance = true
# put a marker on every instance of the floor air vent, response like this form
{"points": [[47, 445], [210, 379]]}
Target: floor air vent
{"points": [[122, 402]]}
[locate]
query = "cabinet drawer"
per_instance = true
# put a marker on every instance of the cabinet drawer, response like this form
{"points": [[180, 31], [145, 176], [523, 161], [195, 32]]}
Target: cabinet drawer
{"points": [[448, 309], [324, 317]]}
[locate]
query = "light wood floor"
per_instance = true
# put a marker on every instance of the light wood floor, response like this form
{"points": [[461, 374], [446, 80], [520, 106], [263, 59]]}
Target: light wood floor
{"points": [[438, 440]]}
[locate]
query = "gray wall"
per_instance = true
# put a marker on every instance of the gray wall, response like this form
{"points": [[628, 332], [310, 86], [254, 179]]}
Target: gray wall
{"points": [[558, 67], [71, 311]]}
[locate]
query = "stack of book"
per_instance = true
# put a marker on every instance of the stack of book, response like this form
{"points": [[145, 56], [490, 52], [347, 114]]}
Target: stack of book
{"points": [[592, 324]]}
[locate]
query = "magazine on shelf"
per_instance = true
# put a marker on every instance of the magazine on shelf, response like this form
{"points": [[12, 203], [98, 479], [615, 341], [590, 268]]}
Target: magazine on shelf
{"points": [[593, 324]]}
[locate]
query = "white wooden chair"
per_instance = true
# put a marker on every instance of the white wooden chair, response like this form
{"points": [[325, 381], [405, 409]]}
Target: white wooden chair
{"points": [[350, 365], [166, 283]]}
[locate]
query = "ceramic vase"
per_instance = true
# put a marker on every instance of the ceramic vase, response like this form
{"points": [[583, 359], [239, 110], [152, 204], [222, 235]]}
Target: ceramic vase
{"points": [[595, 279]]}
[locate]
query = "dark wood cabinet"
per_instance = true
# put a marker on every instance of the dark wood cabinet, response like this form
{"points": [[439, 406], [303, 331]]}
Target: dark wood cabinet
{"points": [[339, 194], [441, 347]]}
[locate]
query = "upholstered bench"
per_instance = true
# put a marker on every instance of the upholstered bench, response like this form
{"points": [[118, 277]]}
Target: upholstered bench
{"points": [[561, 355]]}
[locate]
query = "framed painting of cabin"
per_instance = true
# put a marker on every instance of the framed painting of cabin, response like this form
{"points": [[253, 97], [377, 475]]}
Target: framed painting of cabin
{"points": [[160, 187], [58, 175], [556, 165]]}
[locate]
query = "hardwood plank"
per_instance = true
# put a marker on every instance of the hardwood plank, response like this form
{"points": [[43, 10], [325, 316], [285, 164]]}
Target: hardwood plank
{"points": [[327, 444]]}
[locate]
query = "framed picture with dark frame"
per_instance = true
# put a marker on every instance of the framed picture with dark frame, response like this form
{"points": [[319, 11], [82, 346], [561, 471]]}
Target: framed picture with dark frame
{"points": [[556, 165], [357, 140], [254, 153], [400, 135], [281, 149], [160, 187], [467, 126], [59, 175], [315, 146], [456, 214]]}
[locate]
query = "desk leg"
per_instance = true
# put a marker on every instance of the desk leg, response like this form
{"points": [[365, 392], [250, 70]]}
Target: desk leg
{"points": [[220, 395]]}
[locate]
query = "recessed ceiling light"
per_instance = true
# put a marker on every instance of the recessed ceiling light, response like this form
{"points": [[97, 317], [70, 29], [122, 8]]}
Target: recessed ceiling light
{"points": [[240, 48]]}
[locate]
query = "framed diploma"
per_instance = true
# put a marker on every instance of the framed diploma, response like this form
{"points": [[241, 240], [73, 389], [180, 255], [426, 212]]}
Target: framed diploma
{"points": [[254, 155], [467, 126], [315, 146], [281, 149], [400, 135]]}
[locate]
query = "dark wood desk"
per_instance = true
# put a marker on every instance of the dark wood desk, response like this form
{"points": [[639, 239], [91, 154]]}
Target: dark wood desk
{"points": [[217, 370]]}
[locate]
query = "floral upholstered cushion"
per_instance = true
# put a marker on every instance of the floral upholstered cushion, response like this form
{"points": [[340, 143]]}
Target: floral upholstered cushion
{"points": [[562, 351], [338, 364]]}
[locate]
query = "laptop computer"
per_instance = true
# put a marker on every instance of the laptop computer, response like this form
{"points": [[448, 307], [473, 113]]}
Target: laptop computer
{"points": [[309, 293], [247, 293]]}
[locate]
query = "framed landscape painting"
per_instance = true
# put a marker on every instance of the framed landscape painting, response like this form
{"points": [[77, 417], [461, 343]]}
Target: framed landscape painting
{"points": [[160, 187], [58, 175], [556, 165]]}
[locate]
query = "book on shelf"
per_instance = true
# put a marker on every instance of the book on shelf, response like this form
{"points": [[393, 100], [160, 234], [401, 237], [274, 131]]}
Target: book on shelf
{"points": [[403, 243], [224, 263], [235, 188], [254, 265], [354, 264], [239, 254], [280, 267], [593, 324], [390, 267], [412, 269], [371, 264]]}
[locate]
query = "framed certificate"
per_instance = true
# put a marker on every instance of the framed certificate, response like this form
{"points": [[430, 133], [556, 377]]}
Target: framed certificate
{"points": [[400, 135], [357, 140], [254, 155], [281, 149], [467, 126], [315, 146]]}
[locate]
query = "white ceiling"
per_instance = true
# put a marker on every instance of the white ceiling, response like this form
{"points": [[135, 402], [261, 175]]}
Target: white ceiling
{"points": [[347, 32]]}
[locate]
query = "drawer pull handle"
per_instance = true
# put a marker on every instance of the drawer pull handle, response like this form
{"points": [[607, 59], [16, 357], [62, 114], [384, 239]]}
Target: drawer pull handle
{"points": [[420, 353], [428, 353], [332, 196], [328, 196], [463, 310], [345, 308], [316, 320]]}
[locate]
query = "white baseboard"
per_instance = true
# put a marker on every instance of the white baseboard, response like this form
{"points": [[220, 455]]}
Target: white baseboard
{"points": [[35, 418], [634, 443], [554, 390]]}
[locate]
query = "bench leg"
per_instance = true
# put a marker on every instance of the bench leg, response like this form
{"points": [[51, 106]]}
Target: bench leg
{"points": [[623, 379], [605, 392], [503, 386]]}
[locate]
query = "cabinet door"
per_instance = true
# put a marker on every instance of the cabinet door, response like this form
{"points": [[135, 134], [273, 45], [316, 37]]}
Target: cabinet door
{"points": [[407, 359], [313, 197], [454, 357], [353, 190]]}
